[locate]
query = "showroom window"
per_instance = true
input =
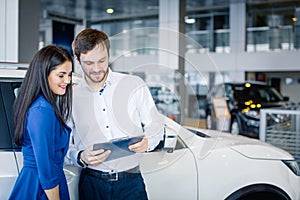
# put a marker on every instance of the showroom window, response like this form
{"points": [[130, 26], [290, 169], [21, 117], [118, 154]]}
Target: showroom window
{"points": [[273, 26], [131, 37], [208, 24]]}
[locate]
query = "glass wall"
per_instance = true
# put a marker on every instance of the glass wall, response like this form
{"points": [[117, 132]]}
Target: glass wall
{"points": [[206, 22], [273, 26], [131, 37], [209, 28]]}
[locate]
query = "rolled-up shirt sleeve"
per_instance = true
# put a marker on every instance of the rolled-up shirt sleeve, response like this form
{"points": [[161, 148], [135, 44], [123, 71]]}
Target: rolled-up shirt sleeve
{"points": [[152, 120], [71, 157]]}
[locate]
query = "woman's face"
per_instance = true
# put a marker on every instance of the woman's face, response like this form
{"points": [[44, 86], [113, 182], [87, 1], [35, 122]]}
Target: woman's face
{"points": [[60, 77]]}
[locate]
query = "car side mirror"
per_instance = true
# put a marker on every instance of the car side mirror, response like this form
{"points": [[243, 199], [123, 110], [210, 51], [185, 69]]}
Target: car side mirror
{"points": [[286, 98], [170, 143]]}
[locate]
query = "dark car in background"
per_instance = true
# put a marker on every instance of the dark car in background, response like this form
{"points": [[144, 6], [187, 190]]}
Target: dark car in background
{"points": [[166, 101], [244, 101]]}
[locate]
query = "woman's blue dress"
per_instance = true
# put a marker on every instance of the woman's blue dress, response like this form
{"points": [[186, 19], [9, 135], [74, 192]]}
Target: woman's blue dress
{"points": [[45, 143]]}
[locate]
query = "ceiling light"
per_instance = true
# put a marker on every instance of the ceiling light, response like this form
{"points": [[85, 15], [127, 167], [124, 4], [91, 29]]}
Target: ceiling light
{"points": [[110, 10], [189, 20]]}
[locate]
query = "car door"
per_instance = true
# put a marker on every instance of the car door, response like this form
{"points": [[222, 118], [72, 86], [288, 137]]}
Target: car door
{"points": [[10, 154], [171, 172]]}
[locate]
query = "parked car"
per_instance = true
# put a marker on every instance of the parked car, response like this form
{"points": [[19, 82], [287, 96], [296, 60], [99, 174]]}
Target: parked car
{"points": [[244, 101], [166, 101], [208, 164], [189, 163]]}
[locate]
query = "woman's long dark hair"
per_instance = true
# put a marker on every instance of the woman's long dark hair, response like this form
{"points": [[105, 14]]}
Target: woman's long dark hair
{"points": [[36, 83]]}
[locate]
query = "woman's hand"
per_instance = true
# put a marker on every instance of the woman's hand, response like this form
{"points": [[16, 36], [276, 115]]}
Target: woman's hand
{"points": [[53, 194]]}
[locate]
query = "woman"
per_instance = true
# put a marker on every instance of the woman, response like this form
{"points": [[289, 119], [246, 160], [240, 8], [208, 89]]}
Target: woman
{"points": [[41, 111]]}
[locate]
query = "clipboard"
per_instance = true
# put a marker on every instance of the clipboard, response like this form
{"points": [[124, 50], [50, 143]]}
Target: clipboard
{"points": [[119, 147]]}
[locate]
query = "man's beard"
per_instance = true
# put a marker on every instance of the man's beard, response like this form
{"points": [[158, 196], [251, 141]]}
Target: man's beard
{"points": [[97, 81]]}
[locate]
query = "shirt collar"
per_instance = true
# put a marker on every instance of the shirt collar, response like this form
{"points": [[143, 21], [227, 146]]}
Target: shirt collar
{"points": [[110, 78]]}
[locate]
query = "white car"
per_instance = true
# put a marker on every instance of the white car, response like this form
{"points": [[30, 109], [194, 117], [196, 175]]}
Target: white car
{"points": [[189, 164], [207, 164]]}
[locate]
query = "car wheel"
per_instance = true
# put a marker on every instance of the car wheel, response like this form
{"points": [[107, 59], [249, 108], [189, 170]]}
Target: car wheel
{"points": [[235, 129], [208, 122]]}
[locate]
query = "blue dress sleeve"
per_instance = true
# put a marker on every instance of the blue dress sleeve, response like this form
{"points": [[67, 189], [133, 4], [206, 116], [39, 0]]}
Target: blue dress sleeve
{"points": [[41, 123]]}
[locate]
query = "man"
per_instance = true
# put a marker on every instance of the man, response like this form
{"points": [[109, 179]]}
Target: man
{"points": [[109, 105]]}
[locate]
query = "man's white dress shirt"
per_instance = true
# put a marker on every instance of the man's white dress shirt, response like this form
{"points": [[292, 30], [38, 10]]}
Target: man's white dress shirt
{"points": [[124, 108]]}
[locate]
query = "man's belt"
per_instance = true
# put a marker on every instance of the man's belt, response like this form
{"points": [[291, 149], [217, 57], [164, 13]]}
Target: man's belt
{"points": [[112, 176]]}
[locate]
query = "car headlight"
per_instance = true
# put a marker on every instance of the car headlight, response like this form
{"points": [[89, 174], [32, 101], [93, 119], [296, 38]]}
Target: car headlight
{"points": [[293, 165], [252, 113]]}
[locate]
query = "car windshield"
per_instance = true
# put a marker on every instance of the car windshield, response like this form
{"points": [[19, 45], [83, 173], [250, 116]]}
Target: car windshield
{"points": [[257, 93]]}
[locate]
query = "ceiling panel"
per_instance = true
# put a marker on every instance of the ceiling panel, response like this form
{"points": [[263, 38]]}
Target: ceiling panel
{"points": [[96, 9]]}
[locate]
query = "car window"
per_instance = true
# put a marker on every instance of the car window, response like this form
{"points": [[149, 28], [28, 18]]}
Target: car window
{"points": [[228, 91], [8, 92], [273, 94], [16, 90], [180, 143], [5, 139], [260, 93]]}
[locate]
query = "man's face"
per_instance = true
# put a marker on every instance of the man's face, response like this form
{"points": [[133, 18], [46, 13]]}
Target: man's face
{"points": [[95, 64]]}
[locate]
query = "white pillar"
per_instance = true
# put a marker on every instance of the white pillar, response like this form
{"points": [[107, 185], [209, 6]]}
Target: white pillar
{"points": [[237, 37], [172, 46], [9, 19], [19, 29], [237, 27], [171, 28]]}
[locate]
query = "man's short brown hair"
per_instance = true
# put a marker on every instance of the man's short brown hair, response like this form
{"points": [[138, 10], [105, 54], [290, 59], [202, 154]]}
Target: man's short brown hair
{"points": [[87, 39]]}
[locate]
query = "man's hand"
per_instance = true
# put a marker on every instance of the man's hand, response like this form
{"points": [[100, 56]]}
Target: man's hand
{"points": [[94, 158], [139, 147]]}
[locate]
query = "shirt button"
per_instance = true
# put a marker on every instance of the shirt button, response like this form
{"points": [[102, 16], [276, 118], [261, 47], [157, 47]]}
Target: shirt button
{"points": [[103, 109], [107, 126]]}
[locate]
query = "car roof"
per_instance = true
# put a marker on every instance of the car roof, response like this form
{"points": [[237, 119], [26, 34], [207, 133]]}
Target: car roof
{"points": [[244, 82], [12, 70]]}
